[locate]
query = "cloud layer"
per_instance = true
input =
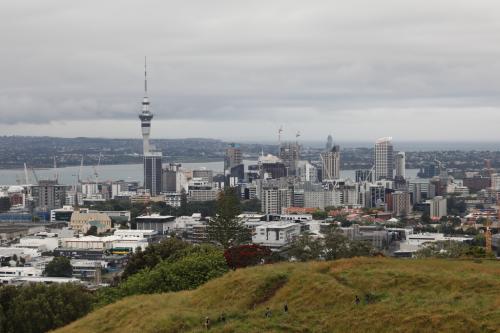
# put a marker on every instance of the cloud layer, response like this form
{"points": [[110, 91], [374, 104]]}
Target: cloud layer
{"points": [[234, 69]]}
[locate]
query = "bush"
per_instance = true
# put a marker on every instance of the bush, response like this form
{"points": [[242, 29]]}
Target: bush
{"points": [[40, 308], [191, 268]]}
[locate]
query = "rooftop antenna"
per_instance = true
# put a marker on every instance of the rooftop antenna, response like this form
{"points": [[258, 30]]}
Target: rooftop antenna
{"points": [[297, 135], [145, 77], [80, 171], [279, 134]]}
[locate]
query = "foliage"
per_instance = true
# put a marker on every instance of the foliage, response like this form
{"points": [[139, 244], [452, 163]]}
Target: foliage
{"points": [[39, 308], [320, 215], [153, 255], [59, 267], [193, 267], [246, 255], [225, 228], [333, 247], [252, 205], [306, 248], [446, 249]]}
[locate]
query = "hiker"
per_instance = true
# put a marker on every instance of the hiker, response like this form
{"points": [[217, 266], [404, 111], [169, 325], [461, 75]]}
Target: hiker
{"points": [[207, 323], [268, 313], [222, 318], [285, 307], [357, 300]]}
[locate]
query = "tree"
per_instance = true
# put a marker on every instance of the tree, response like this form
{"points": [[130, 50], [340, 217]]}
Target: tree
{"points": [[320, 215], [59, 267], [4, 204], [154, 254], [226, 228], [246, 255], [306, 248], [192, 268], [92, 231]]}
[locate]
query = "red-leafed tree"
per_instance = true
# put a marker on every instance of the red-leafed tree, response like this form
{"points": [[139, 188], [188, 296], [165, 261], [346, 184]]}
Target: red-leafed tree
{"points": [[246, 255]]}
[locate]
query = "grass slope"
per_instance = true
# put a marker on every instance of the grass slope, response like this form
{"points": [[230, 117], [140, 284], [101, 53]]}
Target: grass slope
{"points": [[408, 296]]}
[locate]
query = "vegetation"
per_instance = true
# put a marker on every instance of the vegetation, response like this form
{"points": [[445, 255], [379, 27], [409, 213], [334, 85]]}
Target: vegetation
{"points": [[59, 267], [225, 228], [39, 308], [184, 269], [453, 250], [334, 246], [153, 255], [395, 296]]}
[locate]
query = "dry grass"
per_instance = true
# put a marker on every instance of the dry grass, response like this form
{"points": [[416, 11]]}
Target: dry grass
{"points": [[406, 296]]}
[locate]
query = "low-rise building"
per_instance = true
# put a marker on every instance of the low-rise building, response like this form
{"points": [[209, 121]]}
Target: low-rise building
{"points": [[82, 220], [276, 235]]}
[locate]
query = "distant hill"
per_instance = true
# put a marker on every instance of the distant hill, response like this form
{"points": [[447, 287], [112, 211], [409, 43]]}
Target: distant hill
{"points": [[403, 296]]}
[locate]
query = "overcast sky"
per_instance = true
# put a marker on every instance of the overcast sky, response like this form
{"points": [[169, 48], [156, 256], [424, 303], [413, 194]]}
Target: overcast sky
{"points": [[413, 69]]}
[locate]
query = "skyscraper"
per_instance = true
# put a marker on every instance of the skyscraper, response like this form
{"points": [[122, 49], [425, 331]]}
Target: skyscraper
{"points": [[384, 159], [152, 158], [331, 163], [233, 157], [290, 155], [401, 165]]}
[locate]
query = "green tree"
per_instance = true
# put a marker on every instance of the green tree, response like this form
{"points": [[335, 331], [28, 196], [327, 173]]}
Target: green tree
{"points": [[306, 248], [192, 268], [153, 255], [320, 215], [59, 267], [225, 228]]}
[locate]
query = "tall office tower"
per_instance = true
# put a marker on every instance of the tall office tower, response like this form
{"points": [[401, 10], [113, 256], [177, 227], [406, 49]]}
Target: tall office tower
{"points": [[401, 165], [152, 158], [290, 155], [331, 163], [384, 159], [233, 157], [329, 143]]}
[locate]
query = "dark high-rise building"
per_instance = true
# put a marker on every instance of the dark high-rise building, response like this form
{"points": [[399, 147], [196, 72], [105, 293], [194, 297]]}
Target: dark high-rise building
{"points": [[152, 173], [290, 155]]}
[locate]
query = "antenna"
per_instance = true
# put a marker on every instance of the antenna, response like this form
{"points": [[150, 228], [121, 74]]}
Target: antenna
{"points": [[279, 134], [145, 77]]}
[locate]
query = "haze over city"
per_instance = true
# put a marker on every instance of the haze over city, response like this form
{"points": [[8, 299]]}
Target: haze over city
{"points": [[239, 70]]}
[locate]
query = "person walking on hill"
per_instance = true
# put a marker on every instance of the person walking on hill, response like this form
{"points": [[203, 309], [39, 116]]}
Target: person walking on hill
{"points": [[207, 323], [357, 300], [285, 307], [268, 313]]}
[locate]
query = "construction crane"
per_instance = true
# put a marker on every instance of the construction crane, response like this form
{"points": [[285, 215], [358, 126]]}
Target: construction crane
{"points": [[34, 175]]}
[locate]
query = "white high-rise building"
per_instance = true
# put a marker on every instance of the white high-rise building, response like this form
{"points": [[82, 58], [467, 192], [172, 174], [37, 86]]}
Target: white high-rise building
{"points": [[384, 159], [438, 207], [401, 165], [331, 164]]}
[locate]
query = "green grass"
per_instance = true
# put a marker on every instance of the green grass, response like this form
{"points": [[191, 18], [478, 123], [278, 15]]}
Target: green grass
{"points": [[406, 296]]}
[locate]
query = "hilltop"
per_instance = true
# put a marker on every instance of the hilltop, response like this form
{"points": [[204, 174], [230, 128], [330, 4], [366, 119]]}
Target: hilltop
{"points": [[404, 296]]}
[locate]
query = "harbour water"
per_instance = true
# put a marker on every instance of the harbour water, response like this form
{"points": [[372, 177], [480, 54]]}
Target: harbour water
{"points": [[127, 172]]}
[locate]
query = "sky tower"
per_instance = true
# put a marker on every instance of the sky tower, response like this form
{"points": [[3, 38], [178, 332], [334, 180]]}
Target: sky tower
{"points": [[145, 116], [152, 157]]}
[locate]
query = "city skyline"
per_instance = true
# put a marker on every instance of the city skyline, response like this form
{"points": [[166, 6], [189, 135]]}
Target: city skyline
{"points": [[240, 71]]}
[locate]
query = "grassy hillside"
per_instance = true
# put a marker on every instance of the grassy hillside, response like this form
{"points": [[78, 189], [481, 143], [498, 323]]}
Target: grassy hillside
{"points": [[406, 296]]}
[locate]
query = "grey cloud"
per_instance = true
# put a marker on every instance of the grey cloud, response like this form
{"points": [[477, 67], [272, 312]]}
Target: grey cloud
{"points": [[249, 61]]}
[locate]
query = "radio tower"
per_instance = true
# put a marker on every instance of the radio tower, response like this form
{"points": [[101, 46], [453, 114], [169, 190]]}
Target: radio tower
{"points": [[145, 115]]}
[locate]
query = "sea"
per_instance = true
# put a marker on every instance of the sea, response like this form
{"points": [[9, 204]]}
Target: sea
{"points": [[126, 172]]}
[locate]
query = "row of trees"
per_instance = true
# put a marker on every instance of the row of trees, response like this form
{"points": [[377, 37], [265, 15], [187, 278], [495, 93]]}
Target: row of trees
{"points": [[40, 308], [333, 247]]}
